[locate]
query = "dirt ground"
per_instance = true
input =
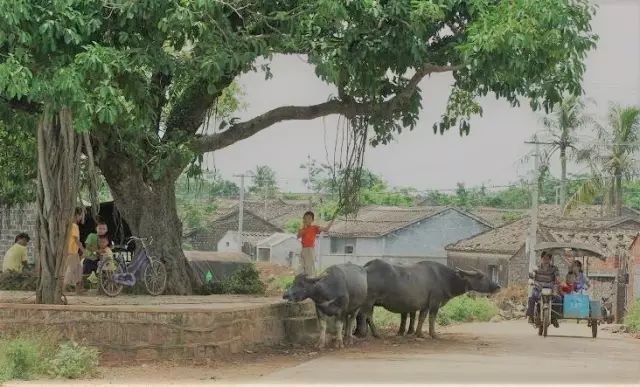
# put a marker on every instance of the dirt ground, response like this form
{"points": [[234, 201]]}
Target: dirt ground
{"points": [[479, 353]]}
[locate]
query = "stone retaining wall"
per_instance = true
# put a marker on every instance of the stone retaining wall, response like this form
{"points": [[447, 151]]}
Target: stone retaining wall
{"points": [[135, 333]]}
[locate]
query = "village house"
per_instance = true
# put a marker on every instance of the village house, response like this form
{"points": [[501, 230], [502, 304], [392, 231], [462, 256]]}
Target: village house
{"points": [[634, 269], [259, 216], [501, 252], [231, 242], [396, 234], [280, 249]]}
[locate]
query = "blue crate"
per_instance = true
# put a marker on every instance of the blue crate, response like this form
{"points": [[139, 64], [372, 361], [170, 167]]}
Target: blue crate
{"points": [[575, 306]]}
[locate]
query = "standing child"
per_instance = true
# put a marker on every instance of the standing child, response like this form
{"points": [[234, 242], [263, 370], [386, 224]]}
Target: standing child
{"points": [[73, 268], [307, 234]]}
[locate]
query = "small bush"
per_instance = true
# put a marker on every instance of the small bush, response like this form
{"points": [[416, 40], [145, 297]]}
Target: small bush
{"points": [[245, 280], [632, 320], [385, 319], [466, 309], [73, 361], [19, 359], [12, 280], [34, 354]]}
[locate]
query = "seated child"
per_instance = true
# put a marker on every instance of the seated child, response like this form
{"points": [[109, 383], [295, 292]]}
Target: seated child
{"points": [[105, 253], [570, 284]]}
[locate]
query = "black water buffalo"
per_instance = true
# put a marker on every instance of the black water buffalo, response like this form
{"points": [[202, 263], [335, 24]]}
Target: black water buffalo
{"points": [[424, 286], [339, 292]]}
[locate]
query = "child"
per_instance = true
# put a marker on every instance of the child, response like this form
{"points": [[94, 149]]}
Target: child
{"points": [[90, 262], [307, 234], [73, 267], [570, 284]]}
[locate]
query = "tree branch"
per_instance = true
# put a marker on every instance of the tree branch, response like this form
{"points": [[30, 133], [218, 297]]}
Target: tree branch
{"points": [[189, 112], [348, 108]]}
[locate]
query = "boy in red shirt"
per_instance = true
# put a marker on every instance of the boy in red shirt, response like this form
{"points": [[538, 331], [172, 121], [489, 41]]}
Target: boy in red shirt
{"points": [[307, 234]]}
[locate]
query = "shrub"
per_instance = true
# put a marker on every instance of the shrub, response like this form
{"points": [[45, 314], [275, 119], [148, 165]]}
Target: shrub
{"points": [[19, 358], [12, 280], [632, 320], [33, 354], [73, 361], [245, 280], [466, 309]]}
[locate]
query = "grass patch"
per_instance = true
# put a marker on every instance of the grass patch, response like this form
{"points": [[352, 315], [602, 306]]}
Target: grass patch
{"points": [[464, 308], [632, 320], [467, 309], [31, 355], [281, 284]]}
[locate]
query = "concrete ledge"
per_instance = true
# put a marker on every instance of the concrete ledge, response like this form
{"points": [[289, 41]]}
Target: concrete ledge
{"points": [[168, 331]]}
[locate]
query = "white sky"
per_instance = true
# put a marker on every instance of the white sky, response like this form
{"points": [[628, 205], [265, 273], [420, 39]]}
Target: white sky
{"points": [[491, 154]]}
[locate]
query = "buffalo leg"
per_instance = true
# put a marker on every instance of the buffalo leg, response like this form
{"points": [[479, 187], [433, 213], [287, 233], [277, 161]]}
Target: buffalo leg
{"points": [[323, 330], [339, 331], [403, 322], [433, 313], [351, 319], [372, 326], [361, 324], [421, 317], [412, 323]]}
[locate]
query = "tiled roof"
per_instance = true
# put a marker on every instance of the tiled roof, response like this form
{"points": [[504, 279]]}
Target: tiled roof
{"points": [[582, 225], [375, 221], [276, 211], [498, 216], [276, 239]]}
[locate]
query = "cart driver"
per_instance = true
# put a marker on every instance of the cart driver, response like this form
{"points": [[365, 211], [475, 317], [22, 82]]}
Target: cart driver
{"points": [[546, 275]]}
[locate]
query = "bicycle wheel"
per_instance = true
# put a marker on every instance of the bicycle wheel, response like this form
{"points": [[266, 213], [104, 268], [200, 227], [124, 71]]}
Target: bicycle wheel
{"points": [[107, 284], [155, 277]]}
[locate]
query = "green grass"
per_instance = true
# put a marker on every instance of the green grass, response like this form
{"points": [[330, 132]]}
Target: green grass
{"points": [[460, 309], [31, 355], [632, 320]]}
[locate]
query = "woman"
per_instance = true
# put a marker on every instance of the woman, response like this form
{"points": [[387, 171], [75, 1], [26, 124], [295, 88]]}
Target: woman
{"points": [[582, 282], [73, 267]]}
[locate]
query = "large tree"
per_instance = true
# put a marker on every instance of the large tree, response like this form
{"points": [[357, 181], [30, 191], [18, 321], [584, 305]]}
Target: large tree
{"points": [[145, 75]]}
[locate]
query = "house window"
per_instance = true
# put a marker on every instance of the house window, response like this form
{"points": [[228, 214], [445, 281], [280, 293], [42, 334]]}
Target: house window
{"points": [[342, 245], [493, 273]]}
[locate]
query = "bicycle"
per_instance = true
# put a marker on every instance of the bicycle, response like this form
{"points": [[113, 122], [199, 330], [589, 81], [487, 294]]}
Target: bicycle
{"points": [[116, 273]]}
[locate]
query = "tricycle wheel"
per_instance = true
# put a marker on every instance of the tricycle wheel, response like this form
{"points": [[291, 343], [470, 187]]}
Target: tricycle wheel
{"points": [[594, 328]]}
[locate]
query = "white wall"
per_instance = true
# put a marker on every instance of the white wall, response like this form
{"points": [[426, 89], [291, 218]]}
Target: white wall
{"points": [[280, 253], [229, 242]]}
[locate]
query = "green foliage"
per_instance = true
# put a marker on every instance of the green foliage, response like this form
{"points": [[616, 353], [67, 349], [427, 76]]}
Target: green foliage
{"points": [[19, 359], [264, 182], [293, 225], [632, 319], [18, 159], [245, 280], [25, 281], [73, 361], [31, 354], [467, 309]]}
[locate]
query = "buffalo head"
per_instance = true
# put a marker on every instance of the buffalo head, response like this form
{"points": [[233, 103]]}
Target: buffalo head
{"points": [[300, 289], [478, 281]]}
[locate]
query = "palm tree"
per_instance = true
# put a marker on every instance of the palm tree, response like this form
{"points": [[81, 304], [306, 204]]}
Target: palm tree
{"points": [[611, 157], [569, 116]]}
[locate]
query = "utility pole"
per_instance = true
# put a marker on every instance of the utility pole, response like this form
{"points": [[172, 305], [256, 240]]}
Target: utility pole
{"points": [[241, 207], [533, 217]]}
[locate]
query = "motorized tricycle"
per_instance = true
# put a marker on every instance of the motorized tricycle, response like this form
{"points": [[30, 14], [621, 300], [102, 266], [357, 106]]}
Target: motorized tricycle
{"points": [[551, 306]]}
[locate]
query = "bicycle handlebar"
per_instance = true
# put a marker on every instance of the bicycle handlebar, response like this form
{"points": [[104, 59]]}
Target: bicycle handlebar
{"points": [[145, 241]]}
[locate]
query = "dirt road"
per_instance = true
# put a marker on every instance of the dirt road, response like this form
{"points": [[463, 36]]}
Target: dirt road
{"points": [[487, 353]]}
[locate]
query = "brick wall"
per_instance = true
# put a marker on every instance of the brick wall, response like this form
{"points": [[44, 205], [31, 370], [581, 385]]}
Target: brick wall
{"points": [[126, 334], [519, 268], [14, 221]]}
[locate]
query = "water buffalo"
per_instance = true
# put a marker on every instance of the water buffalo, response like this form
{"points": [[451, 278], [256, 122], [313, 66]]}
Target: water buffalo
{"points": [[339, 292], [424, 286]]}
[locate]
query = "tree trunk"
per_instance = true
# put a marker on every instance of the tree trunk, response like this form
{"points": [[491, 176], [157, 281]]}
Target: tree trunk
{"points": [[618, 193], [58, 173], [149, 208], [563, 177]]}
